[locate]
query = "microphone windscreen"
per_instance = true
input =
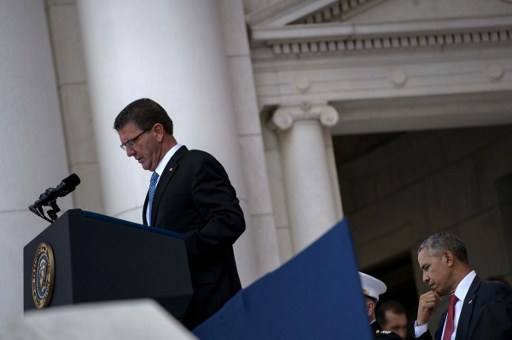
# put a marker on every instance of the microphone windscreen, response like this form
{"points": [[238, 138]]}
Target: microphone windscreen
{"points": [[72, 180]]}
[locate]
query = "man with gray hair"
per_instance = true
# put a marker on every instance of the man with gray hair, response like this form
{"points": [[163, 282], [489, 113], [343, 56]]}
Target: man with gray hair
{"points": [[478, 309]]}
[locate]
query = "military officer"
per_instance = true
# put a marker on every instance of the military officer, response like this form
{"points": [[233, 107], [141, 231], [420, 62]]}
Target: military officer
{"points": [[372, 289]]}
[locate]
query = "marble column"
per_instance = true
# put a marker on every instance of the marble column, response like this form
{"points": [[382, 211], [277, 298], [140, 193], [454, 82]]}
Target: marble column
{"points": [[75, 105], [250, 136], [172, 51], [32, 137], [310, 191]]}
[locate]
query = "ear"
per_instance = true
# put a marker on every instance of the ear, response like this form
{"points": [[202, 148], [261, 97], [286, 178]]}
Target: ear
{"points": [[449, 258], [370, 306], [159, 131]]}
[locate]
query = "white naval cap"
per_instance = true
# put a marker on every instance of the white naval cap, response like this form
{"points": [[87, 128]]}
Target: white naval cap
{"points": [[371, 286]]}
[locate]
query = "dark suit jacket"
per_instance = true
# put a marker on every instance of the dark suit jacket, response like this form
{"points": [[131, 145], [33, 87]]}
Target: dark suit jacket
{"points": [[379, 333], [194, 197], [486, 313]]}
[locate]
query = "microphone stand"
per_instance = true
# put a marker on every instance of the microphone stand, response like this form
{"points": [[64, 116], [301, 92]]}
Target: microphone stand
{"points": [[37, 208]]}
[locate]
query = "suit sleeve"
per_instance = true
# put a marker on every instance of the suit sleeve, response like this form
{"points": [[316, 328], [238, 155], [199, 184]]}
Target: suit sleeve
{"points": [[421, 332], [215, 199]]}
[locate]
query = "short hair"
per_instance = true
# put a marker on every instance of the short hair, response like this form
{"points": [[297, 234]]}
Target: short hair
{"points": [[392, 306], [144, 113], [439, 242]]}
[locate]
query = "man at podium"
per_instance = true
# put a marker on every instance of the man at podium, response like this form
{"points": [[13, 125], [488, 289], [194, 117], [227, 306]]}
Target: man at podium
{"points": [[189, 193]]}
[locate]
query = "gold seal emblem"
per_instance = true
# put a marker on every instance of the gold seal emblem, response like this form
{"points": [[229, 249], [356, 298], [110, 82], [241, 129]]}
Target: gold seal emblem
{"points": [[43, 275]]}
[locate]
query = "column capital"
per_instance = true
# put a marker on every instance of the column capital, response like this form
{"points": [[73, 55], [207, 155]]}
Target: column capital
{"points": [[284, 117]]}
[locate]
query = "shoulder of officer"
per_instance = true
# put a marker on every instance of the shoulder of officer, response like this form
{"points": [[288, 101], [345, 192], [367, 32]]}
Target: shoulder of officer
{"points": [[381, 334]]}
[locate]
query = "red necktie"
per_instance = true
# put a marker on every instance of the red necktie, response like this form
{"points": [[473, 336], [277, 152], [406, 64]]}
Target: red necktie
{"points": [[448, 330]]}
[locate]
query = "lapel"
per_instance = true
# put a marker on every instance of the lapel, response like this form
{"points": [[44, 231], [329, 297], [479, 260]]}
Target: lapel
{"points": [[440, 326], [165, 178], [463, 330]]}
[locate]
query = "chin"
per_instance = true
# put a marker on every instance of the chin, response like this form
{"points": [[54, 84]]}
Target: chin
{"points": [[441, 292]]}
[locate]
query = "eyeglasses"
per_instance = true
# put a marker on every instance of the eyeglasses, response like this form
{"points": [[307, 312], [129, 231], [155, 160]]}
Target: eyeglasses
{"points": [[131, 143]]}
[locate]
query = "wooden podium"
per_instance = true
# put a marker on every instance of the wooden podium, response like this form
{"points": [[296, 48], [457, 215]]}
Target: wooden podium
{"points": [[89, 257]]}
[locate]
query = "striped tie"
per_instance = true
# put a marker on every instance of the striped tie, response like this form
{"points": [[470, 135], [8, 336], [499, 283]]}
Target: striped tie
{"points": [[152, 189]]}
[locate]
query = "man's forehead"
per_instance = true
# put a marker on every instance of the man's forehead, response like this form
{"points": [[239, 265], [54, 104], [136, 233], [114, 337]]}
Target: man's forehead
{"points": [[424, 256], [395, 316], [128, 128], [422, 253]]}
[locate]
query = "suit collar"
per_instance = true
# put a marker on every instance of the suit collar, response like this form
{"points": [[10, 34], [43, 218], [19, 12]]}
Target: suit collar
{"points": [[466, 313], [467, 309], [165, 177], [167, 157], [463, 287]]}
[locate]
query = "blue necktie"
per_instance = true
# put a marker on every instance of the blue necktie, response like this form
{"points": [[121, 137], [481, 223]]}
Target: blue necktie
{"points": [[152, 189]]}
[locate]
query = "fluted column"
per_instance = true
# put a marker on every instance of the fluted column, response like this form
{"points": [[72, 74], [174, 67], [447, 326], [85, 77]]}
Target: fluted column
{"points": [[310, 190], [172, 51]]}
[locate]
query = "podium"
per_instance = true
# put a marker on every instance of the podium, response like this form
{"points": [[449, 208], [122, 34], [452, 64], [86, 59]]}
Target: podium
{"points": [[89, 257]]}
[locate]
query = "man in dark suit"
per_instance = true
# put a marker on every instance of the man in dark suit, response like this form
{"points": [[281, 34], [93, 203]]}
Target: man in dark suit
{"points": [[481, 309], [194, 197], [392, 316]]}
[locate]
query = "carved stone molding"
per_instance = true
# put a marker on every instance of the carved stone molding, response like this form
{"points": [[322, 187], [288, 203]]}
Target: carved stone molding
{"points": [[285, 116], [494, 72], [437, 34], [398, 78], [338, 11], [302, 82]]}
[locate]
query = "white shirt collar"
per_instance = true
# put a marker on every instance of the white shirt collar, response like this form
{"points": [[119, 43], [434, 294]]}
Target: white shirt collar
{"points": [[163, 162], [463, 287]]}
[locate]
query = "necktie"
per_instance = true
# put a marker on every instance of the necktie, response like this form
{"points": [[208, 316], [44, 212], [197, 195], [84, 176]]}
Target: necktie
{"points": [[152, 185], [448, 330], [152, 189]]}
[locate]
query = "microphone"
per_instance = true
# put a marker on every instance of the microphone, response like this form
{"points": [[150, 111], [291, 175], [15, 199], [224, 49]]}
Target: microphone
{"points": [[47, 198]]}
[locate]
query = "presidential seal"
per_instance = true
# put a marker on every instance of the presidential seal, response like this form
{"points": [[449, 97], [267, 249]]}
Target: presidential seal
{"points": [[43, 275]]}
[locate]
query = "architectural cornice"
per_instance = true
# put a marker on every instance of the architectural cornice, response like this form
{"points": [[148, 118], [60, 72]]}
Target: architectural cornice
{"points": [[295, 27], [296, 39], [385, 69], [338, 11], [284, 12]]}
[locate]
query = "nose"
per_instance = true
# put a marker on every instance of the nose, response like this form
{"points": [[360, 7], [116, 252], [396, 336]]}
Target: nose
{"points": [[129, 151], [426, 278]]}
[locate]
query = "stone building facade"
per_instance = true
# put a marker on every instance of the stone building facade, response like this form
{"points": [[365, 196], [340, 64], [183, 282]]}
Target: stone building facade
{"points": [[394, 113]]}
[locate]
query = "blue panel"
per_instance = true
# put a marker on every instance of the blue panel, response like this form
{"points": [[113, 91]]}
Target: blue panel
{"points": [[315, 295]]}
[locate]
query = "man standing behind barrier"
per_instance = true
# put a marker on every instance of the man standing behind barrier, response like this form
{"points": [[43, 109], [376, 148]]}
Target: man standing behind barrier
{"points": [[190, 193], [392, 316], [478, 309], [372, 288]]}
